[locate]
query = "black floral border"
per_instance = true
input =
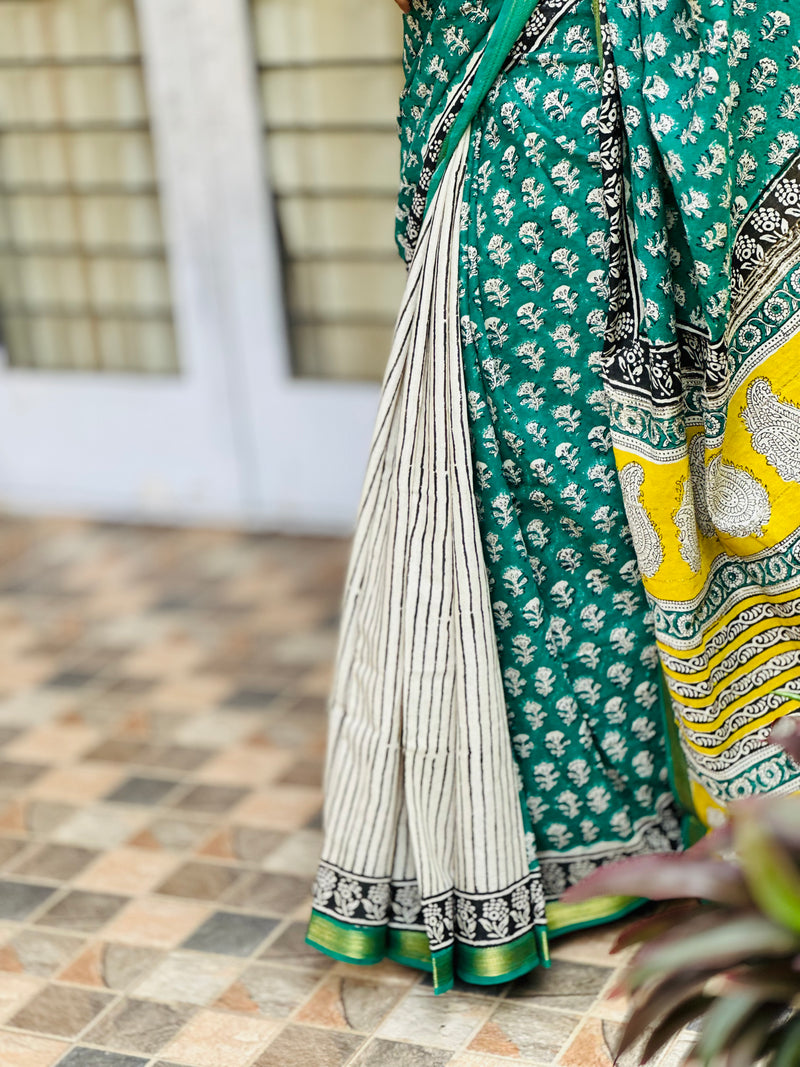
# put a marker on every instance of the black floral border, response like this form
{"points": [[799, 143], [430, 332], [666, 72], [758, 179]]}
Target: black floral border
{"points": [[478, 920]]}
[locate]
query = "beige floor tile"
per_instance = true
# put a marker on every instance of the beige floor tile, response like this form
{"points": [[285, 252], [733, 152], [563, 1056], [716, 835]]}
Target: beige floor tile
{"points": [[188, 977], [590, 946], [171, 657], [194, 691], [39, 952], [158, 921], [216, 651], [302, 1046], [246, 765], [18, 673], [268, 991], [100, 826], [52, 743], [61, 1010], [25, 1050], [440, 1022], [31, 708], [298, 854], [15, 991], [220, 1039], [316, 682], [105, 965], [591, 1046], [342, 1003], [279, 808], [80, 783], [477, 1059], [132, 871], [216, 729], [385, 971], [519, 1032], [118, 603], [613, 1005]]}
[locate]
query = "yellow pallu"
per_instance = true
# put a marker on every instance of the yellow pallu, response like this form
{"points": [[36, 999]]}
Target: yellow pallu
{"points": [[702, 367]]}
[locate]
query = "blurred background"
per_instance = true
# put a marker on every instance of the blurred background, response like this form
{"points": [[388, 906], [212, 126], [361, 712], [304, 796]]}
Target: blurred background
{"points": [[198, 278]]}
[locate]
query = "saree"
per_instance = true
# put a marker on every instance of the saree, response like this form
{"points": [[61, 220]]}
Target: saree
{"points": [[572, 597]]}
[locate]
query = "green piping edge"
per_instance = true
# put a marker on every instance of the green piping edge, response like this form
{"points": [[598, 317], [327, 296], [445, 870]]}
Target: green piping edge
{"points": [[599, 30], [692, 826]]}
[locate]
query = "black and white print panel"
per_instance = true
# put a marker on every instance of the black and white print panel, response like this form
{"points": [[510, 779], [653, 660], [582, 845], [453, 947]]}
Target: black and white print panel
{"points": [[475, 919]]}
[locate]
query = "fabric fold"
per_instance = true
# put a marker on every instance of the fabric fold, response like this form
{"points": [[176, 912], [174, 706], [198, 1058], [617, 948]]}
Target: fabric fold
{"points": [[425, 855]]}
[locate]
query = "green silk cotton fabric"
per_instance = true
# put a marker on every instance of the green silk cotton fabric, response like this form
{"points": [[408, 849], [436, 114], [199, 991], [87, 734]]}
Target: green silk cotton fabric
{"points": [[584, 483], [573, 627]]}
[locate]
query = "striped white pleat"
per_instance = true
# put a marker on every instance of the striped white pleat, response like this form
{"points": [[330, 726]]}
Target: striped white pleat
{"points": [[421, 784]]}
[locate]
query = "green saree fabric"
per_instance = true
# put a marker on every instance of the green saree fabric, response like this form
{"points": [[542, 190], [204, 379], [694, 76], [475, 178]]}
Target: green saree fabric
{"points": [[574, 630], [599, 207]]}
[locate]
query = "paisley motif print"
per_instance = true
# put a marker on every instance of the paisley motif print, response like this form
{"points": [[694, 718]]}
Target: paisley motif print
{"points": [[700, 156], [775, 428], [697, 465], [686, 524], [649, 549], [738, 502], [727, 499]]}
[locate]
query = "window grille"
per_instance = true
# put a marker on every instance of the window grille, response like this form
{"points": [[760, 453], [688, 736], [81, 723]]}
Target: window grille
{"points": [[83, 272], [330, 75]]}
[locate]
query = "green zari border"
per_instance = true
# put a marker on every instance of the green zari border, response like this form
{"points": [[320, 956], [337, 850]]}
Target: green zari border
{"points": [[367, 945], [567, 918]]}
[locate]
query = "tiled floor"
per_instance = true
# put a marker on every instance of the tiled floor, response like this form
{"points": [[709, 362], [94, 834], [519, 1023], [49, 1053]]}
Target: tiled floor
{"points": [[161, 743]]}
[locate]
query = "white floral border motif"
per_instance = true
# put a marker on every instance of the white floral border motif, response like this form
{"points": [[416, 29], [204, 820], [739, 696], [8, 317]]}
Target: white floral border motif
{"points": [[478, 920], [769, 222]]}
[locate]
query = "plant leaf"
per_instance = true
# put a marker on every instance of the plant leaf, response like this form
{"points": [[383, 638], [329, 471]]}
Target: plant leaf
{"points": [[674, 1023], [706, 917], [643, 930], [788, 1044], [753, 1041], [786, 731], [782, 816], [661, 1000], [747, 937], [715, 843], [665, 876], [725, 1018], [776, 980], [771, 872]]}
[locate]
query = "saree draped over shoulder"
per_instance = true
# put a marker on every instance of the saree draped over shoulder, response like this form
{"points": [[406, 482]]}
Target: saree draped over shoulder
{"points": [[573, 604]]}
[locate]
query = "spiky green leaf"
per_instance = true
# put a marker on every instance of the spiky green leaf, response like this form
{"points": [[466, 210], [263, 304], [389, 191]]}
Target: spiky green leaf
{"points": [[725, 1019], [665, 876], [788, 1044], [772, 874], [652, 926], [673, 1023], [749, 936], [660, 1000], [752, 1042]]}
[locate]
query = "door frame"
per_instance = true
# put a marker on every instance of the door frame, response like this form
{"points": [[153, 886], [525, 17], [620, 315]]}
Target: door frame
{"points": [[235, 438]]}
